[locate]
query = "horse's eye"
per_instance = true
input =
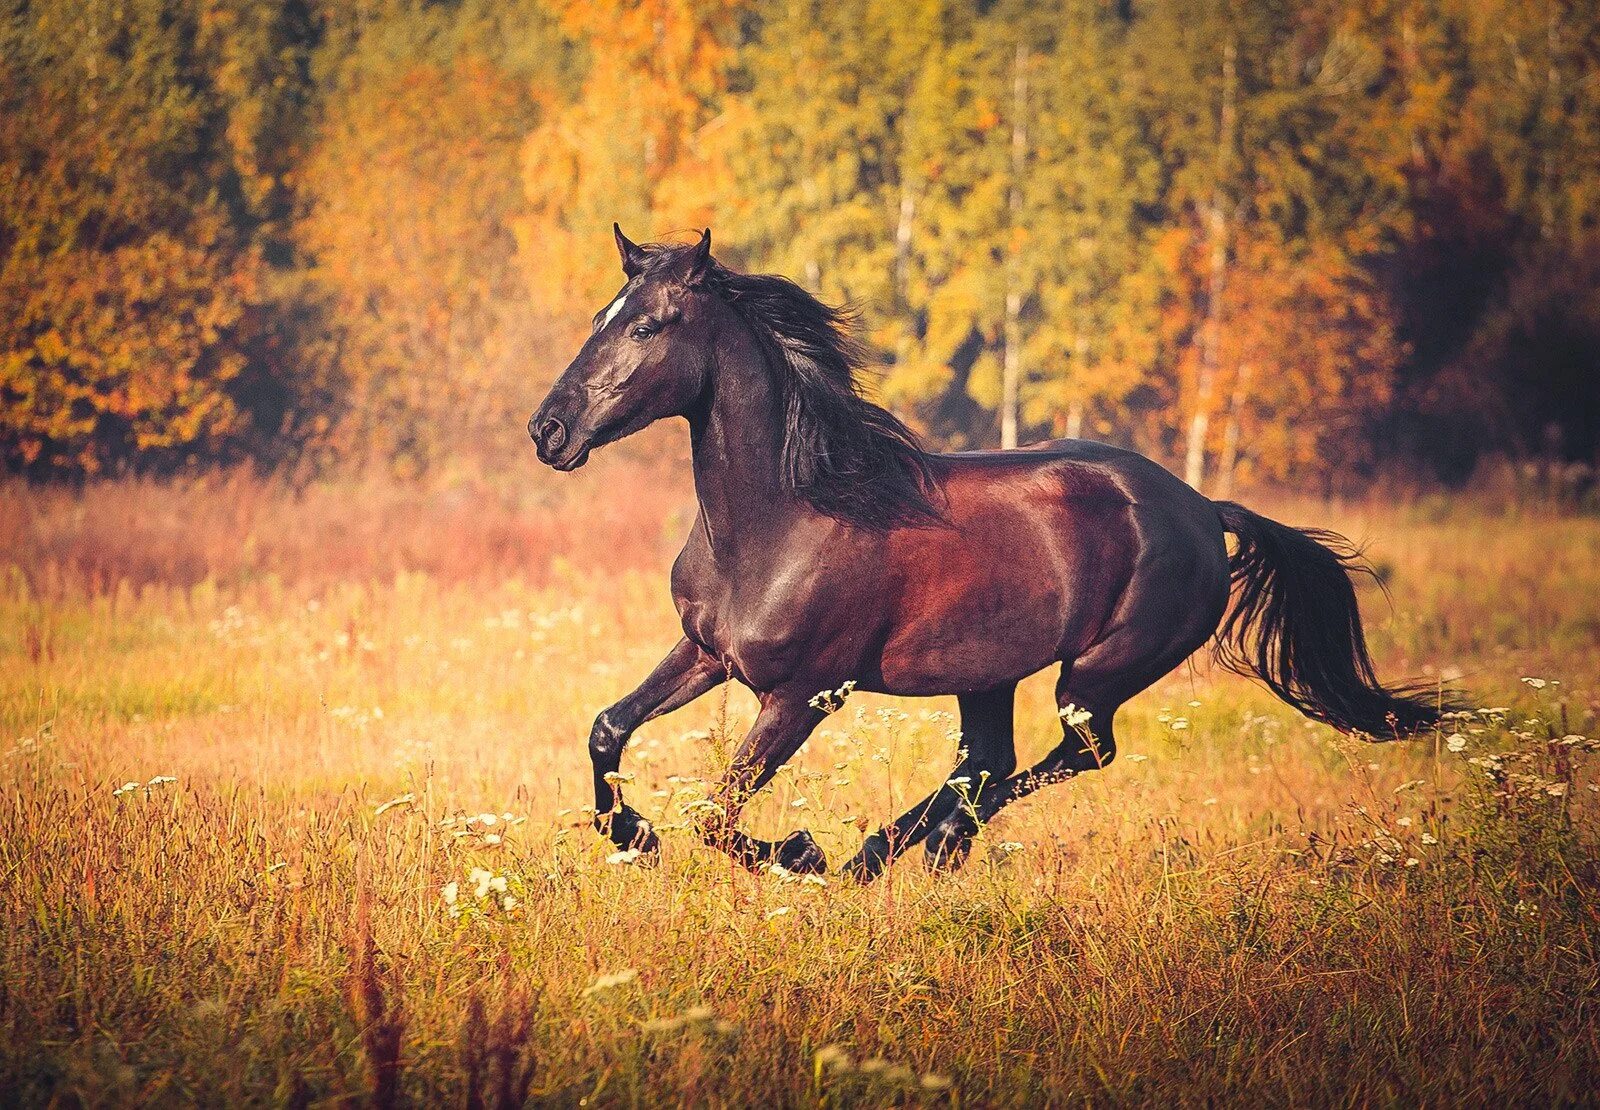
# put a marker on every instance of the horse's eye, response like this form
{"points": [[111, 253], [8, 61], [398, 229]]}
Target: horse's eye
{"points": [[642, 331]]}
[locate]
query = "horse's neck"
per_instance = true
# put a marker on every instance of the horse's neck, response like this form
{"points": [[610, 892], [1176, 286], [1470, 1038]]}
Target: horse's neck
{"points": [[737, 442]]}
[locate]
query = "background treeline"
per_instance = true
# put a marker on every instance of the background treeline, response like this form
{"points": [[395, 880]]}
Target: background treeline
{"points": [[1261, 240]]}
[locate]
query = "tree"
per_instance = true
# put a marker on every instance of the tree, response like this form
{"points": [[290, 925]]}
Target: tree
{"points": [[1091, 344], [642, 141], [132, 181], [409, 197], [1277, 195]]}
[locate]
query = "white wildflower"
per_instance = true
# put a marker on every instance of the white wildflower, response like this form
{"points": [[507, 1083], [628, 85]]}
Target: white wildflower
{"points": [[832, 1056], [1075, 717], [608, 982]]}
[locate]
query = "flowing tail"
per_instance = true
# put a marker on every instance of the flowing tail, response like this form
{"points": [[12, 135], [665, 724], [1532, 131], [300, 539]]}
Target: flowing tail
{"points": [[1295, 624]]}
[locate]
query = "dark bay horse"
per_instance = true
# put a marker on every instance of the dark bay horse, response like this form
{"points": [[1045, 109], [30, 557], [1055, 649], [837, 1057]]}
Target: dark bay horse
{"points": [[829, 547]]}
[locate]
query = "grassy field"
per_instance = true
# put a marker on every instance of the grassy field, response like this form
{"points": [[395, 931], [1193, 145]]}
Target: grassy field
{"points": [[253, 744]]}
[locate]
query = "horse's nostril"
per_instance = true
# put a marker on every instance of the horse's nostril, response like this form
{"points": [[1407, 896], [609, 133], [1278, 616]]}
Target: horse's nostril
{"points": [[552, 434]]}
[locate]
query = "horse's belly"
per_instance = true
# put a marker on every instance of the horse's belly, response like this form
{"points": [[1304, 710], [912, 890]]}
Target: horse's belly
{"points": [[972, 651]]}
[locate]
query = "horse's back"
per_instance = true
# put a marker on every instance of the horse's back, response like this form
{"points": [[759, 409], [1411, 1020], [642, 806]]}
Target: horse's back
{"points": [[1085, 465]]}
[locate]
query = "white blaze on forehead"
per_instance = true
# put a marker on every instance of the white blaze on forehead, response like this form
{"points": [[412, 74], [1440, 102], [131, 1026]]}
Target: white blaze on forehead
{"points": [[615, 308]]}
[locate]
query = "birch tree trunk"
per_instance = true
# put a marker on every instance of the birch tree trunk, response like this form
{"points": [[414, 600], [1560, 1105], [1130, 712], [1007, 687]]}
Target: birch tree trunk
{"points": [[902, 240], [1011, 360], [1230, 433], [1217, 231]]}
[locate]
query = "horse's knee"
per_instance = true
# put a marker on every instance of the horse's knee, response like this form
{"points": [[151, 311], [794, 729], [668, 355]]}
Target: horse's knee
{"points": [[607, 738]]}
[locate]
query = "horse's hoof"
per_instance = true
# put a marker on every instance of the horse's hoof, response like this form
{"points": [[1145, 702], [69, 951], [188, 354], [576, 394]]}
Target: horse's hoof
{"points": [[800, 854], [870, 862], [627, 829], [948, 845]]}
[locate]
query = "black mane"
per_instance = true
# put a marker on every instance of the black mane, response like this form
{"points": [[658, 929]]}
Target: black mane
{"points": [[851, 459]]}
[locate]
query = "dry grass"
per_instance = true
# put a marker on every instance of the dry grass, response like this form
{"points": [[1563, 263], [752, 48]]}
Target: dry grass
{"points": [[1241, 907]]}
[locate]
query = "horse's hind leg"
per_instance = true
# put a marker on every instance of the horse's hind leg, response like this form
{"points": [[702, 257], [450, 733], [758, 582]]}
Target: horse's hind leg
{"points": [[1101, 680], [989, 756], [949, 843]]}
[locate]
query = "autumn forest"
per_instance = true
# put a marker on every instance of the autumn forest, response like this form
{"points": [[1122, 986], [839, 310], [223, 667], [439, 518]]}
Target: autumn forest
{"points": [[1262, 242]]}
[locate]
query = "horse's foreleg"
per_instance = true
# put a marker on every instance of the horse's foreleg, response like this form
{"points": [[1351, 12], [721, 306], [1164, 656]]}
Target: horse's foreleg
{"points": [[783, 724], [990, 757], [685, 674]]}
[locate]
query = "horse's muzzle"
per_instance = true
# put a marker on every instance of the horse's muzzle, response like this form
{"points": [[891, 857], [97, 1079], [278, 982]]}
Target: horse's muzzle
{"points": [[555, 445]]}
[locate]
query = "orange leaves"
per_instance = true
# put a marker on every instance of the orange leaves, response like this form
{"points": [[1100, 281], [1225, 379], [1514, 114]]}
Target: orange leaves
{"points": [[1306, 354], [412, 185], [128, 348], [642, 142]]}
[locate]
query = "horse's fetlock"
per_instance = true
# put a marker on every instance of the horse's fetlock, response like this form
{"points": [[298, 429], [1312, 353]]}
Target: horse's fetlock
{"points": [[627, 828]]}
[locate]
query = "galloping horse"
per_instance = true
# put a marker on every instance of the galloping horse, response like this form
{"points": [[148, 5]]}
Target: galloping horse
{"points": [[830, 548]]}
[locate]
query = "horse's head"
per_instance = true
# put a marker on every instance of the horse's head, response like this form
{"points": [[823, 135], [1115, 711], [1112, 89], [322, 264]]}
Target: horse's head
{"points": [[648, 356]]}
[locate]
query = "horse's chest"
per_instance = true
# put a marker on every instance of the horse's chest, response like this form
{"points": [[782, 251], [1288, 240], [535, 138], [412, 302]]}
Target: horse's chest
{"points": [[766, 636], [756, 642]]}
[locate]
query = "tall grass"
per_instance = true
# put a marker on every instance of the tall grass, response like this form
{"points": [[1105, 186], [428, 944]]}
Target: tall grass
{"points": [[370, 876]]}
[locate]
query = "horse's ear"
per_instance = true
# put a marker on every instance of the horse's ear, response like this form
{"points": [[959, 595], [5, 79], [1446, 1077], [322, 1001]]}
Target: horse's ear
{"points": [[632, 253], [699, 265]]}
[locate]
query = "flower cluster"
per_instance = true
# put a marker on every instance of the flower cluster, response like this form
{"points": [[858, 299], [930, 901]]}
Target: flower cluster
{"points": [[132, 787], [695, 1017], [834, 1060], [484, 830], [487, 891], [830, 701]]}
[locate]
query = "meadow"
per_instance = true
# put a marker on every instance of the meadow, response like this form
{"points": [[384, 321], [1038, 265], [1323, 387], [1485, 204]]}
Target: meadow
{"points": [[291, 811]]}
